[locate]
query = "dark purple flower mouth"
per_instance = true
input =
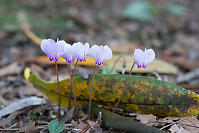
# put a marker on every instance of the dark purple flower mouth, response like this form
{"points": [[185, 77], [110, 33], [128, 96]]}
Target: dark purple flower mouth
{"points": [[53, 59]]}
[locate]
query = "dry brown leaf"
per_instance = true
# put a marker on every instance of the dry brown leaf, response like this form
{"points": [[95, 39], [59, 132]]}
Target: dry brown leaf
{"points": [[21, 104], [178, 129], [44, 59], [29, 128], [190, 124], [13, 68], [147, 119], [157, 65]]}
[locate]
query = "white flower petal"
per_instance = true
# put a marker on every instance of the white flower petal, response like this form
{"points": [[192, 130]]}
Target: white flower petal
{"points": [[107, 53], [86, 49], [94, 51], [60, 47], [138, 56], [100, 53], [48, 46], [149, 55]]}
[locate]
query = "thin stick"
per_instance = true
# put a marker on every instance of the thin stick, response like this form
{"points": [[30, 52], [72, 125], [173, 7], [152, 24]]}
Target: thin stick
{"points": [[90, 98], [86, 128], [174, 123], [123, 90], [72, 86], [115, 64], [59, 116]]}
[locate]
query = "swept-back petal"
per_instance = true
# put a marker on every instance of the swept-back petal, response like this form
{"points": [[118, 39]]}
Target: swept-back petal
{"points": [[138, 56], [149, 55], [94, 51], [107, 53], [100, 53], [60, 47], [48, 46]]}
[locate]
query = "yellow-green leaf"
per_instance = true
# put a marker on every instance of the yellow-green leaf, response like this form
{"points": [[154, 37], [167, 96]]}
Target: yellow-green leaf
{"points": [[143, 94]]}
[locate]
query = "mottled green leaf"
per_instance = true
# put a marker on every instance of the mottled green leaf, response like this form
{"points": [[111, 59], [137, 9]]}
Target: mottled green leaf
{"points": [[143, 94]]}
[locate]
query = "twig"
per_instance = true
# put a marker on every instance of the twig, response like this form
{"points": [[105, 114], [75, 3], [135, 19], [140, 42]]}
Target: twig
{"points": [[90, 98], [123, 90], [8, 129], [59, 113], [174, 123], [86, 128], [115, 64]]}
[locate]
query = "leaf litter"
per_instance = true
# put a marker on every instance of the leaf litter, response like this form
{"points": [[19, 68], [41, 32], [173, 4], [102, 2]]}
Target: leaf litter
{"points": [[14, 46]]}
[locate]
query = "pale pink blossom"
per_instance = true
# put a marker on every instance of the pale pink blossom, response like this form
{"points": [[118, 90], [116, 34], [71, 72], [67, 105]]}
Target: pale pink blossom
{"points": [[81, 51], [100, 53], [142, 58], [53, 49]]}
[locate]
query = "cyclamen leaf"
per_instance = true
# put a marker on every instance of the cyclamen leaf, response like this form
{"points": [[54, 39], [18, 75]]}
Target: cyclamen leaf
{"points": [[56, 126], [143, 94]]}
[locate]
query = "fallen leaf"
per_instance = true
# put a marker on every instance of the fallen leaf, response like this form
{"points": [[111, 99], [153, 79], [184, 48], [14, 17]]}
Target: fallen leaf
{"points": [[20, 104], [44, 59], [147, 119], [178, 129], [191, 124], [157, 65], [143, 94], [30, 128], [13, 68]]}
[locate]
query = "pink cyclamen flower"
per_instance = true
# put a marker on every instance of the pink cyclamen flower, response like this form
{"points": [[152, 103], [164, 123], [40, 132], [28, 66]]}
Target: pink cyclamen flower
{"points": [[52, 49], [69, 53], [100, 54], [142, 58], [81, 51]]}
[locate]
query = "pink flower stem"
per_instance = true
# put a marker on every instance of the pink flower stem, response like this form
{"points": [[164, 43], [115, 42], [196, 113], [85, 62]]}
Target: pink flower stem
{"points": [[90, 98], [123, 90], [59, 101], [72, 87]]}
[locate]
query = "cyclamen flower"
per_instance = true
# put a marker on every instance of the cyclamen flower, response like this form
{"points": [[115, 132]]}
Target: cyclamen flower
{"points": [[81, 51], [69, 53], [142, 58], [52, 49], [100, 54]]}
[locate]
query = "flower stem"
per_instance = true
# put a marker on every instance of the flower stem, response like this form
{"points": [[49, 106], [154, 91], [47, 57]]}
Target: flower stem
{"points": [[72, 86], [90, 98], [58, 114], [123, 90]]}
